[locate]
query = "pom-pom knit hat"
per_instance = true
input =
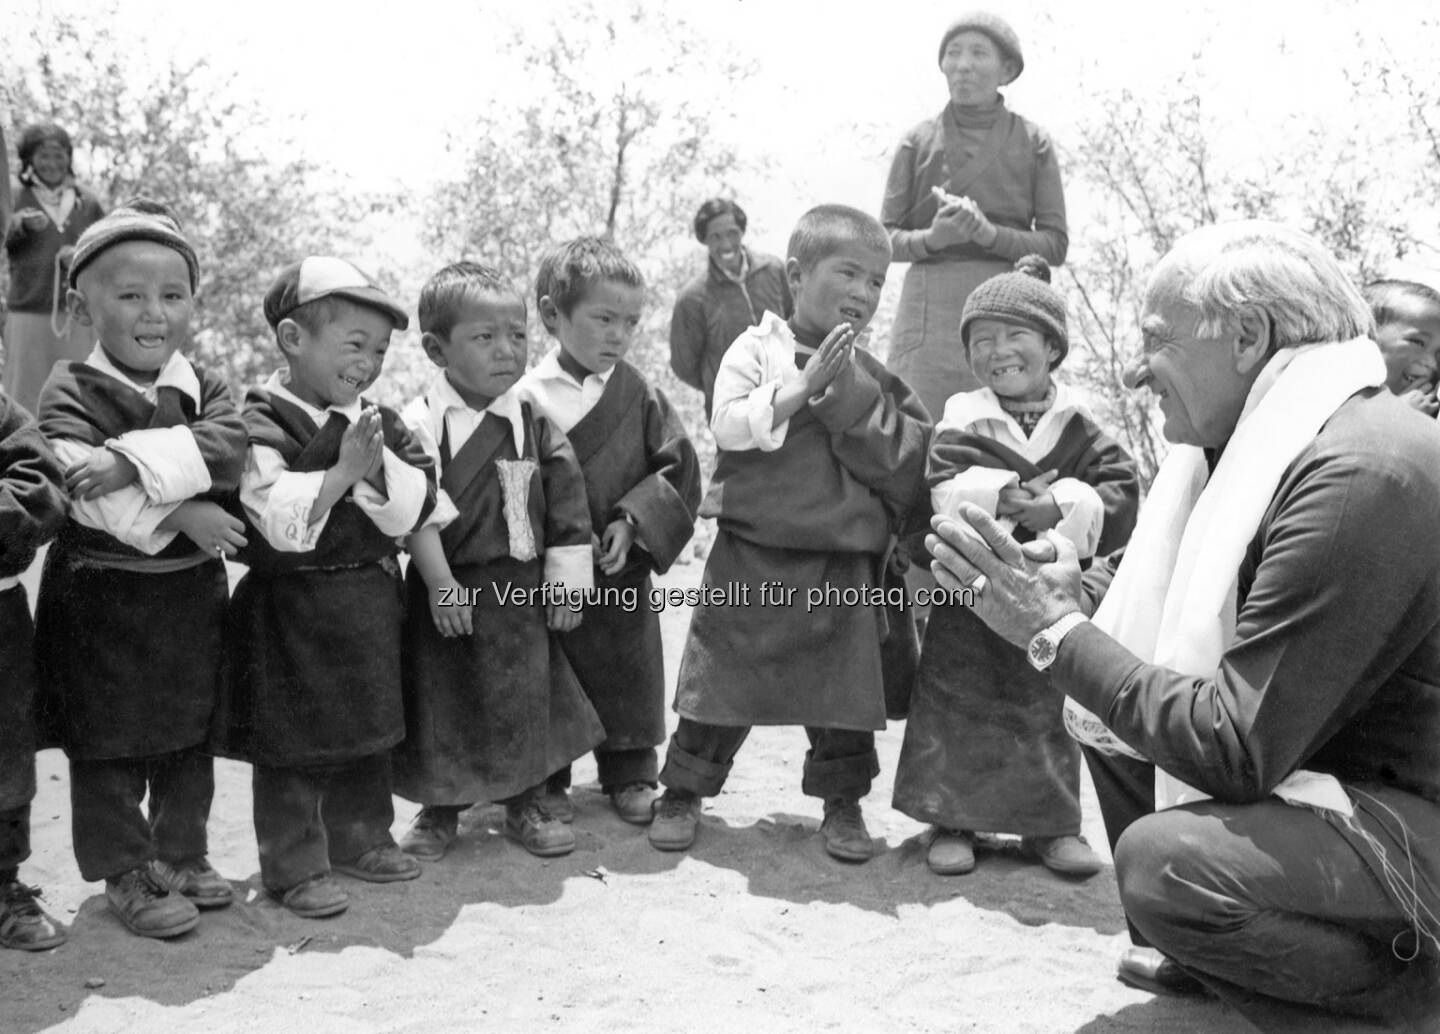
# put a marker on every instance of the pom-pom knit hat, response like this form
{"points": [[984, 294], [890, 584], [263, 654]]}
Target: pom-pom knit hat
{"points": [[321, 276], [138, 219], [1025, 297], [992, 25]]}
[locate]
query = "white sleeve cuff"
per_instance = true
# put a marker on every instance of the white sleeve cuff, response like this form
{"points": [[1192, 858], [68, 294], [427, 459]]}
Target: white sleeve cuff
{"points": [[444, 513], [570, 566], [405, 488], [168, 460], [1082, 514], [979, 486], [278, 501], [126, 514]]}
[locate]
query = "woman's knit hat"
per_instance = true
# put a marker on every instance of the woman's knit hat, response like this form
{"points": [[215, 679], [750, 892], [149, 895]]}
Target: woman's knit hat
{"points": [[1024, 296], [992, 25], [138, 219]]}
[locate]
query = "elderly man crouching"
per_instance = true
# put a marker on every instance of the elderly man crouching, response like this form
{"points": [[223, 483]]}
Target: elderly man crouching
{"points": [[1271, 639]]}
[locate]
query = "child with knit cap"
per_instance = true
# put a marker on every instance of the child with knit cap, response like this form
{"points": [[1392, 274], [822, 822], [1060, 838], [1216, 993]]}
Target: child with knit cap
{"points": [[985, 746], [132, 600]]}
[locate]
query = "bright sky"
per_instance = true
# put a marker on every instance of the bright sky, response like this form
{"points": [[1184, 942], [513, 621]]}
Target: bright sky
{"points": [[375, 86]]}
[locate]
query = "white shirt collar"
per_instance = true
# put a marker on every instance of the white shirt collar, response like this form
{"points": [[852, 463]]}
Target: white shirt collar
{"points": [[441, 397], [549, 369], [278, 384], [176, 373]]}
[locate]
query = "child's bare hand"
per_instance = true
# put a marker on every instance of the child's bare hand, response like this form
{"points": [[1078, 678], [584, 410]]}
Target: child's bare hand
{"points": [[825, 365], [208, 526], [615, 546], [33, 219], [1011, 499], [362, 448], [561, 617], [103, 472], [452, 618], [1422, 399], [1038, 513]]}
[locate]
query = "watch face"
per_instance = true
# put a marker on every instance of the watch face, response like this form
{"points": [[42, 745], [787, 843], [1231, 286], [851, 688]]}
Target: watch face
{"points": [[1042, 651]]}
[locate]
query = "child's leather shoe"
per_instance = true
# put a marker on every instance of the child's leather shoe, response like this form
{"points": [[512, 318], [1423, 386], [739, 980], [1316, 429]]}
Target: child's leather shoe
{"points": [[844, 832], [23, 923], [432, 832], [196, 880], [634, 802], [383, 864], [530, 823], [676, 820], [146, 906], [315, 898]]}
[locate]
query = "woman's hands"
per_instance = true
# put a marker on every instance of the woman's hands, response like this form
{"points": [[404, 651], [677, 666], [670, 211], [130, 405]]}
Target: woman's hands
{"points": [[958, 220]]}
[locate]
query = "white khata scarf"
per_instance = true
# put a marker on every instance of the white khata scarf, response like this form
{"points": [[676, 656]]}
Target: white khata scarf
{"points": [[1173, 600]]}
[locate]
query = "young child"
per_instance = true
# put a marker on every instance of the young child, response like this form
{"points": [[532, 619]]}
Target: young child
{"points": [[642, 479], [129, 623], [32, 509], [1407, 322], [491, 707], [331, 484], [985, 747], [822, 453]]}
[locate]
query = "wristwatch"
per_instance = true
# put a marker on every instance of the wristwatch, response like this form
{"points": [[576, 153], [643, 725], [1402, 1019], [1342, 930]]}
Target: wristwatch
{"points": [[1046, 643]]}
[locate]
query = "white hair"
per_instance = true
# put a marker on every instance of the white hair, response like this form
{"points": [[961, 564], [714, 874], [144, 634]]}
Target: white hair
{"points": [[1286, 273]]}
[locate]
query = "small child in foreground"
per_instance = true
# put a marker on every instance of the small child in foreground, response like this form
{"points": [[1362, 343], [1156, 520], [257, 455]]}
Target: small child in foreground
{"points": [[131, 614], [491, 707], [642, 479], [331, 484], [822, 457], [1407, 329], [985, 746], [32, 510]]}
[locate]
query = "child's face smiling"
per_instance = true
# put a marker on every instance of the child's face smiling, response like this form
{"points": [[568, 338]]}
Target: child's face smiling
{"points": [[1410, 344], [137, 297], [600, 328], [843, 287], [51, 163], [1011, 360], [484, 354], [332, 366]]}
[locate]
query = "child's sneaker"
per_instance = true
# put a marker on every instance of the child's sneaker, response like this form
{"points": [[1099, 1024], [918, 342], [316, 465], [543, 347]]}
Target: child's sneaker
{"points": [[383, 864], [539, 832], [844, 832], [676, 820], [146, 906], [315, 898], [196, 880], [23, 923], [1068, 855], [556, 798], [433, 830], [634, 802]]}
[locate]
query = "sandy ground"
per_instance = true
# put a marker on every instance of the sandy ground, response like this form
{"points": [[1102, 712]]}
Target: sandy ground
{"points": [[756, 928]]}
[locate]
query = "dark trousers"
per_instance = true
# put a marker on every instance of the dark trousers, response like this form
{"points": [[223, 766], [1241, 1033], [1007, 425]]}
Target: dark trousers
{"points": [[1264, 902], [14, 840], [307, 817], [615, 768], [112, 835], [839, 763]]}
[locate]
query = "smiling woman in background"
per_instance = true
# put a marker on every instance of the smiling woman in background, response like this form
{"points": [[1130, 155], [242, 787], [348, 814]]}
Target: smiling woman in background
{"points": [[970, 192], [51, 212]]}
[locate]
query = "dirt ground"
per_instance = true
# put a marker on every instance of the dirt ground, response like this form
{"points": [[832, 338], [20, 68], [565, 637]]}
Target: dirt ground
{"points": [[756, 928]]}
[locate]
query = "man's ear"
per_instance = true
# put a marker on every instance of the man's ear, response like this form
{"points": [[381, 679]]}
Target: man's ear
{"points": [[1255, 339], [549, 314], [288, 333], [430, 341], [79, 308]]}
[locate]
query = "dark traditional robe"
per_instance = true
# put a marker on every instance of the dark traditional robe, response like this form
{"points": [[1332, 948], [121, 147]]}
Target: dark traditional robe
{"points": [[129, 645], [985, 747], [313, 661], [32, 510], [492, 714], [638, 462], [817, 515]]}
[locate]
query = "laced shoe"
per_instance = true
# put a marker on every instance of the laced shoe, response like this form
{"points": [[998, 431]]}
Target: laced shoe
{"points": [[315, 898], [844, 832], [676, 820], [146, 906], [536, 830], [951, 852], [1068, 855], [432, 832], [196, 880], [634, 802], [556, 799], [23, 923], [383, 864]]}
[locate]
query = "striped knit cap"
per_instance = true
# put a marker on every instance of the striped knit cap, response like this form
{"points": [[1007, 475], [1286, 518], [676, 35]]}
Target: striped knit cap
{"points": [[138, 219], [1024, 297]]}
